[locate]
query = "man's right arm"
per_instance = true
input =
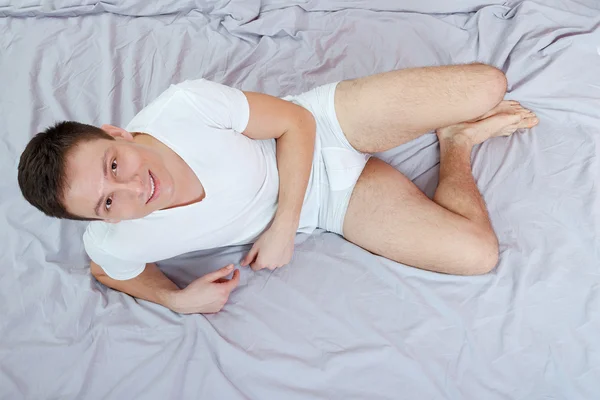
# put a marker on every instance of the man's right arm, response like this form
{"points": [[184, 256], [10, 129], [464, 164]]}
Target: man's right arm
{"points": [[207, 294]]}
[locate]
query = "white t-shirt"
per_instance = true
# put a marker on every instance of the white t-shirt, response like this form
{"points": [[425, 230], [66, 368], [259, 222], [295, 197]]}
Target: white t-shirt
{"points": [[202, 122]]}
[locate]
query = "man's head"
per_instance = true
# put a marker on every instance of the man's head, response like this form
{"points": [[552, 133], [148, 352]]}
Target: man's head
{"points": [[82, 172]]}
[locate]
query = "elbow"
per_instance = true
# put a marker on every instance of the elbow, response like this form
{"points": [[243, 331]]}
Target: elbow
{"points": [[302, 126], [304, 122]]}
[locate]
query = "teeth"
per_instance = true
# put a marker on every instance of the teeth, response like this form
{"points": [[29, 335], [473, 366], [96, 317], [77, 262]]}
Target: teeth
{"points": [[151, 191]]}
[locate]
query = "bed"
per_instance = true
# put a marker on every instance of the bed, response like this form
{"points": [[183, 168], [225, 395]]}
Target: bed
{"points": [[338, 322]]}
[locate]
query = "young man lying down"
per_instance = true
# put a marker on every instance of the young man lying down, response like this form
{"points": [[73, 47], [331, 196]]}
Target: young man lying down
{"points": [[206, 165]]}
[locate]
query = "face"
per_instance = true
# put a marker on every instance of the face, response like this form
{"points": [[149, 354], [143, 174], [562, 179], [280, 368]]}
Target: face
{"points": [[116, 180]]}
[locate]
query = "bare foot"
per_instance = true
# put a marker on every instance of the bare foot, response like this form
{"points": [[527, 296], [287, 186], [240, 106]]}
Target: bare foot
{"points": [[506, 107], [506, 118]]}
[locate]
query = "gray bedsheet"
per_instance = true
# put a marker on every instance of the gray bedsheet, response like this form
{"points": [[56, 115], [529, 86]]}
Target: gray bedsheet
{"points": [[338, 322]]}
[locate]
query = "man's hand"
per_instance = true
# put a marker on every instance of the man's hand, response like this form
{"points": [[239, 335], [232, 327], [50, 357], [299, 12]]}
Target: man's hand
{"points": [[294, 128], [273, 249], [207, 294]]}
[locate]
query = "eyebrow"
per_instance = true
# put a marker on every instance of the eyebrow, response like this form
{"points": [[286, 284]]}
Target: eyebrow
{"points": [[105, 170]]}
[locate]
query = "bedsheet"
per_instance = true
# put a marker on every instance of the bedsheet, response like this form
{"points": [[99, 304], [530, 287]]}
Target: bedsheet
{"points": [[338, 322]]}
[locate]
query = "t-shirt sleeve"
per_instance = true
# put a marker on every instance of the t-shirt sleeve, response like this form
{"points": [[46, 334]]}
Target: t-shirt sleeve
{"points": [[219, 105], [114, 267]]}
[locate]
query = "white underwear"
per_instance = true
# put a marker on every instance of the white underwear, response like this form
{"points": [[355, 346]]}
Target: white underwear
{"points": [[340, 164]]}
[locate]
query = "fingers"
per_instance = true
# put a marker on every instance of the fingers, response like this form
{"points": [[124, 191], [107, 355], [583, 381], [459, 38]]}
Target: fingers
{"points": [[257, 266], [218, 274], [224, 289], [250, 257], [231, 283]]}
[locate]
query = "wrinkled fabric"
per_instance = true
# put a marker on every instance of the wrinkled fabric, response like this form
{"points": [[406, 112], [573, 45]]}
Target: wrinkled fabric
{"points": [[338, 322]]}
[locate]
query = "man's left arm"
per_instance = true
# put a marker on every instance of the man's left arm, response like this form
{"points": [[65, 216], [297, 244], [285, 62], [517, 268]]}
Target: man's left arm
{"points": [[294, 129]]}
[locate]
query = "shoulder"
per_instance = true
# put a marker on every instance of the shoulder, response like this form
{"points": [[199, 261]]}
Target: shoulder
{"points": [[194, 101], [100, 236], [96, 233], [153, 110], [113, 261], [200, 84], [211, 93], [111, 243]]}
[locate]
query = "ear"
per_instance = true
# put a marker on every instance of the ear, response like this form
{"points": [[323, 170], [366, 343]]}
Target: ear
{"points": [[117, 132]]}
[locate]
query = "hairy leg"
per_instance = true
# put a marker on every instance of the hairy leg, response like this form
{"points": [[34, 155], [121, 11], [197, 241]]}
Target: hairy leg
{"points": [[388, 215], [383, 111], [457, 190]]}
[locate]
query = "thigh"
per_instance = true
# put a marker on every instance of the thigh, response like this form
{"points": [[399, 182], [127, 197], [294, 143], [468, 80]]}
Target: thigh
{"points": [[383, 111], [389, 216]]}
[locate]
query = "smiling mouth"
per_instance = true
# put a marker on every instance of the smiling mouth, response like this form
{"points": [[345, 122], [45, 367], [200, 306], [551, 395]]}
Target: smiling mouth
{"points": [[153, 187]]}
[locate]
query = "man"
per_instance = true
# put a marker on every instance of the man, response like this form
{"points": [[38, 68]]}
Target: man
{"points": [[206, 165]]}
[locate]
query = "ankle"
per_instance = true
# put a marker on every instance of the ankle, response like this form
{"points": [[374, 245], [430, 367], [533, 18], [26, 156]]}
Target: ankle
{"points": [[460, 139]]}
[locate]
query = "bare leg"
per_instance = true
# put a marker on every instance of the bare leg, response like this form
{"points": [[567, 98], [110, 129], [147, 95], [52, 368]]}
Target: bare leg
{"points": [[388, 215], [457, 190], [383, 111]]}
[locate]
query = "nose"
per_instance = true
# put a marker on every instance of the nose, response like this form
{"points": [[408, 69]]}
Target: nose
{"points": [[134, 186]]}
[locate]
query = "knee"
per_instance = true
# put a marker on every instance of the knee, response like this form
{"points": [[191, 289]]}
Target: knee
{"points": [[494, 84], [498, 85], [481, 254]]}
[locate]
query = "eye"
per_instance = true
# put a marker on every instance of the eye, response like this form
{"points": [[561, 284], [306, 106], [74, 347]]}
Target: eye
{"points": [[108, 203], [113, 166]]}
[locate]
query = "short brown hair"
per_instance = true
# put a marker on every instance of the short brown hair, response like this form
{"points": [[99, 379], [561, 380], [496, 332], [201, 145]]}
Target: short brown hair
{"points": [[42, 172]]}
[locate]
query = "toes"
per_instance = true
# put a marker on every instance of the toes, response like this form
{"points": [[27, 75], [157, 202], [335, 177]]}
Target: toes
{"points": [[529, 122], [525, 113], [508, 106], [514, 108], [511, 119], [498, 123]]}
